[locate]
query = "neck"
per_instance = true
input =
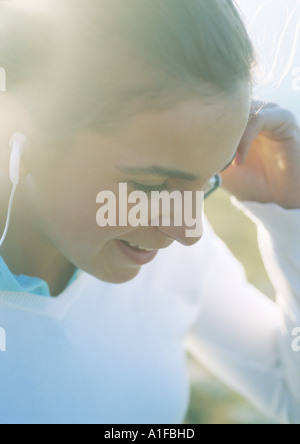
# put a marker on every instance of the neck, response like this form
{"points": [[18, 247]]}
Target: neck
{"points": [[26, 251]]}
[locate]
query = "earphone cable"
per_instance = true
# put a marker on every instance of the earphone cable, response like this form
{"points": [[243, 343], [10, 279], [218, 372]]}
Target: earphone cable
{"points": [[11, 200]]}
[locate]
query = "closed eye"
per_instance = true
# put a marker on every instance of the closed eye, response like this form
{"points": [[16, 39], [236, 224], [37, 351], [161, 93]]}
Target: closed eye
{"points": [[148, 189]]}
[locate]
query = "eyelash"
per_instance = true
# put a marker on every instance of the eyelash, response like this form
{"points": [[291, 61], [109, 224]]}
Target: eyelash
{"points": [[148, 189]]}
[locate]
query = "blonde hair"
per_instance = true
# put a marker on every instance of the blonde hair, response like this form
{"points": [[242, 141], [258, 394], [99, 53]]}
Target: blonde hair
{"points": [[89, 63]]}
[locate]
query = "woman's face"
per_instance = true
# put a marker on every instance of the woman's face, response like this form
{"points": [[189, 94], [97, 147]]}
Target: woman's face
{"points": [[196, 138]]}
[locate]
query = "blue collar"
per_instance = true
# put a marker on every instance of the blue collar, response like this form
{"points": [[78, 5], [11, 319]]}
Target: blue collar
{"points": [[25, 284]]}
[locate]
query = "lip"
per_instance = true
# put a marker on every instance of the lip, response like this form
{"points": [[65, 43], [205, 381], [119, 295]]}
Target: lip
{"points": [[139, 257]]}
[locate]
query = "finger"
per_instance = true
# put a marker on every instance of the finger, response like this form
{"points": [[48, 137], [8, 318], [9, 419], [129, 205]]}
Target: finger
{"points": [[267, 118], [280, 124], [258, 105], [277, 120]]}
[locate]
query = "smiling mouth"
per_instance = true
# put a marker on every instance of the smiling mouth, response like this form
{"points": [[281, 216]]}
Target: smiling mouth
{"points": [[136, 253], [138, 247]]}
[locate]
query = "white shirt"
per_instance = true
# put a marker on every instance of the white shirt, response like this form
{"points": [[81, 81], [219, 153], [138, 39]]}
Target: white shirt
{"points": [[116, 354]]}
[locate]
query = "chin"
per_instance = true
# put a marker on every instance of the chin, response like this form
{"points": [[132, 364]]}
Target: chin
{"points": [[119, 276]]}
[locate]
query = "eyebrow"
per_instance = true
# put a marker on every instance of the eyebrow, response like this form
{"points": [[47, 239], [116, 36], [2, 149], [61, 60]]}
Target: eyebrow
{"points": [[165, 172]]}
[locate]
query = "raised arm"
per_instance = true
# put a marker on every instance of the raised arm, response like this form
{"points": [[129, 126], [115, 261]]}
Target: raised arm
{"points": [[245, 339]]}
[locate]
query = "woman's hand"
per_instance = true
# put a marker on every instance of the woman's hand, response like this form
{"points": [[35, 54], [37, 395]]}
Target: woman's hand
{"points": [[267, 166]]}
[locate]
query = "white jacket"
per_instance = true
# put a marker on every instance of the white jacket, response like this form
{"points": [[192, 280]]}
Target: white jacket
{"points": [[116, 354]]}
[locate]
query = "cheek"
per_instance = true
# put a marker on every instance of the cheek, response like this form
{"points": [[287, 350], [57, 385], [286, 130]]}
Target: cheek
{"points": [[68, 195], [70, 208], [68, 211], [66, 201]]}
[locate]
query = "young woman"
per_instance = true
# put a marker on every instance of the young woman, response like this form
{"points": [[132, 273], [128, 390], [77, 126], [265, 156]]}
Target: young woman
{"points": [[156, 95]]}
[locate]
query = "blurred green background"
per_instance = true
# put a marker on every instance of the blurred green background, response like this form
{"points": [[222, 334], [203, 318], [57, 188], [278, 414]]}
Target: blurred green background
{"points": [[211, 401]]}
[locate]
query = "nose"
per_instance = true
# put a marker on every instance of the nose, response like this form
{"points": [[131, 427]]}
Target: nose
{"points": [[179, 223], [179, 234]]}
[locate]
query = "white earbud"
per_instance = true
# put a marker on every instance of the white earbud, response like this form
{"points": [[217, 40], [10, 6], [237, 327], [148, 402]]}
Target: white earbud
{"points": [[17, 143]]}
